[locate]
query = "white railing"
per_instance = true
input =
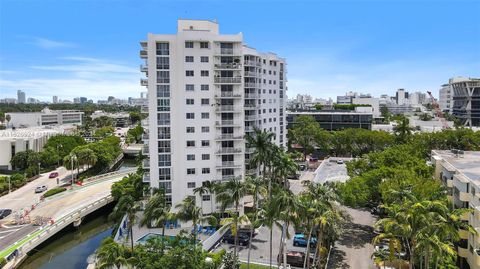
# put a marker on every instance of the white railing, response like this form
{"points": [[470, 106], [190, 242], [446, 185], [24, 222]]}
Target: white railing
{"points": [[253, 63], [228, 108], [228, 80], [228, 95], [228, 66], [229, 150], [144, 82], [143, 54], [251, 95], [143, 68], [229, 51], [229, 136], [228, 164], [251, 74], [252, 84], [225, 122], [47, 231]]}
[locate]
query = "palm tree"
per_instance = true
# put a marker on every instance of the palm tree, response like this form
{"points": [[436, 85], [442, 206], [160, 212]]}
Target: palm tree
{"points": [[256, 187], [287, 206], [201, 190], [262, 142], [231, 192], [188, 211], [156, 211], [403, 129], [284, 166], [267, 216], [111, 254], [126, 206], [233, 222], [211, 187]]}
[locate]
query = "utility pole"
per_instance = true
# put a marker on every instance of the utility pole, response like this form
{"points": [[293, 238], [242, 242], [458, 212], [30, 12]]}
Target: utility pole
{"points": [[58, 153]]}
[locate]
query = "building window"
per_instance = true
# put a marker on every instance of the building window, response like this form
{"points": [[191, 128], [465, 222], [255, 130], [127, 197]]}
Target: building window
{"points": [[164, 174], [190, 101], [204, 87], [163, 63], [205, 198], [189, 87], [189, 59], [206, 170], [205, 157], [205, 143], [191, 185], [163, 90], [189, 73], [204, 73], [189, 45], [205, 115], [204, 45], [190, 171], [205, 101], [205, 129], [190, 130], [163, 76], [164, 146], [164, 160], [190, 116], [190, 157], [190, 143], [204, 59], [162, 48], [163, 119], [164, 133], [163, 104]]}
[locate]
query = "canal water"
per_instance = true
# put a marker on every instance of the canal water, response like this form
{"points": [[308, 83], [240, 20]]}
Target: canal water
{"points": [[70, 248]]}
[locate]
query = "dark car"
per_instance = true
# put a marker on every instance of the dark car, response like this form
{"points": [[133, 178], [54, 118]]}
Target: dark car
{"points": [[295, 258], [4, 213], [229, 238], [53, 175]]}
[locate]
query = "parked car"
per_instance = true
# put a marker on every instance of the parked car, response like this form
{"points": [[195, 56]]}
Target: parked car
{"points": [[4, 213], [340, 162], [301, 240], [40, 189], [303, 167], [229, 238], [313, 159], [53, 175], [295, 258], [294, 176]]}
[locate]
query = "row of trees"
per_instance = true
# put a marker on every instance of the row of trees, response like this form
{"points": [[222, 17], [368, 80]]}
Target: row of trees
{"points": [[307, 134]]}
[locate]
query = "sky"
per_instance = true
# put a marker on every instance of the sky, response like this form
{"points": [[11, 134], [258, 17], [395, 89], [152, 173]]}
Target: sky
{"points": [[72, 48]]}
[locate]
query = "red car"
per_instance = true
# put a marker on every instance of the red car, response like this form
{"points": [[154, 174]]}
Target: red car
{"points": [[53, 175]]}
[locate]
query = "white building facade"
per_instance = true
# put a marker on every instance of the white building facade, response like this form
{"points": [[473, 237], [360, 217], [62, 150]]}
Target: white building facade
{"points": [[45, 117], [445, 98], [206, 91]]}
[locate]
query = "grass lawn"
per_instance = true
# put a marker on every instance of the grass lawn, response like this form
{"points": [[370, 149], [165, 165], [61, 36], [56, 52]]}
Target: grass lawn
{"points": [[253, 266]]}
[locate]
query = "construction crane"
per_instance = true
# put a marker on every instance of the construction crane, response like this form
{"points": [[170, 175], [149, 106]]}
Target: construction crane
{"points": [[438, 111]]}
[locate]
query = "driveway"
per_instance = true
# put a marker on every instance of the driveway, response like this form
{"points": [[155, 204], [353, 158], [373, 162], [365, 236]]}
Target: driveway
{"points": [[354, 248]]}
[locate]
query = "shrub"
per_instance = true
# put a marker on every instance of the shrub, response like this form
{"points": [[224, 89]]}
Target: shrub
{"points": [[54, 191]]}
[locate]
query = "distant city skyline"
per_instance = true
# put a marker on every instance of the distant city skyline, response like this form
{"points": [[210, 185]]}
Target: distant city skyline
{"points": [[331, 47]]}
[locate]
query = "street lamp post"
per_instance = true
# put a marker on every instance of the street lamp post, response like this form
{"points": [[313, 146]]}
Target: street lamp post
{"points": [[58, 153], [72, 157]]}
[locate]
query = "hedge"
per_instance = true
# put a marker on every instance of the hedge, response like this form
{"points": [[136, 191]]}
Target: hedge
{"points": [[54, 191]]}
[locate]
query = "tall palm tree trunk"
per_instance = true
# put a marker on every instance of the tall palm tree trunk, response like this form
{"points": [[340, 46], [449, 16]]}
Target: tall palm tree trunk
{"points": [[284, 245], [271, 246], [252, 227], [236, 232], [306, 262]]}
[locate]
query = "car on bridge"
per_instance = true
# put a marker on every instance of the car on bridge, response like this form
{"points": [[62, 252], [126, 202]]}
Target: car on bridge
{"points": [[40, 189], [4, 213], [53, 175]]}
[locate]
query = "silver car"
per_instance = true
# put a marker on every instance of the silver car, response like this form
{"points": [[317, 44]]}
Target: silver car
{"points": [[40, 189]]}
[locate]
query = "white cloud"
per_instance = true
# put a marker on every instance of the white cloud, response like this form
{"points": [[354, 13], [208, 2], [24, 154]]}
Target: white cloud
{"points": [[50, 44]]}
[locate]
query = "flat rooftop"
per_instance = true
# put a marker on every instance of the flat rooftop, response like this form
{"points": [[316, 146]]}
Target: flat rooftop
{"points": [[467, 163]]}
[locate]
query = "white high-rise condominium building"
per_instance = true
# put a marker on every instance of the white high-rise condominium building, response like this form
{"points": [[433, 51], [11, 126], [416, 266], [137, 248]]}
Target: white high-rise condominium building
{"points": [[207, 91], [445, 98]]}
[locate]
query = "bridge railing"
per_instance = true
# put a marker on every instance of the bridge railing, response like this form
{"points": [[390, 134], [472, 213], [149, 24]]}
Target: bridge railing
{"points": [[126, 172], [27, 243]]}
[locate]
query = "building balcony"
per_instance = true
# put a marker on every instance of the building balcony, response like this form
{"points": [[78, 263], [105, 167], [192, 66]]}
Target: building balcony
{"points": [[249, 150], [252, 63], [146, 177], [143, 68], [229, 165], [249, 128], [229, 137], [227, 66], [230, 177], [143, 54], [230, 52], [252, 95], [144, 109], [463, 234], [144, 82], [228, 80], [251, 118], [229, 108], [146, 164], [228, 150], [228, 95], [223, 123], [250, 106], [145, 137], [252, 84], [251, 74], [145, 150]]}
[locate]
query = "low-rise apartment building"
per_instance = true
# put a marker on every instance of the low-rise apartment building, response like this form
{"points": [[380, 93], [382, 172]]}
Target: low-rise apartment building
{"points": [[44, 117], [459, 171], [333, 120]]}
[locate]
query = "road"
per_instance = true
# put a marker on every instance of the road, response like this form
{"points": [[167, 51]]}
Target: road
{"points": [[57, 206], [25, 196]]}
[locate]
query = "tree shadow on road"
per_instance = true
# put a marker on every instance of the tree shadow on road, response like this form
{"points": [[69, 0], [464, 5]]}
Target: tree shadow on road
{"points": [[356, 236], [337, 260]]}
